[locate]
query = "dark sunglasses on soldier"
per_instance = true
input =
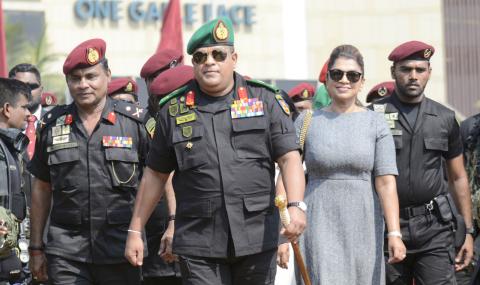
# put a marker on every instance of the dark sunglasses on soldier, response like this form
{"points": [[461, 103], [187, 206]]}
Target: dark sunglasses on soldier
{"points": [[33, 86], [337, 75], [200, 57]]}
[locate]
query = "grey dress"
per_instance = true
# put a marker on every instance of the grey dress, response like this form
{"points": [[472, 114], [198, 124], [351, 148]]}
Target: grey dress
{"points": [[343, 243]]}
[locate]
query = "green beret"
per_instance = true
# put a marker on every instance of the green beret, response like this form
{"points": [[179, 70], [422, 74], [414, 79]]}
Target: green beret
{"points": [[214, 33]]}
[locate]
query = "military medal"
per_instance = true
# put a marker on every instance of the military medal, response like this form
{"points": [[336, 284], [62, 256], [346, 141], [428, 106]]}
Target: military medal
{"points": [[114, 141], [251, 107]]}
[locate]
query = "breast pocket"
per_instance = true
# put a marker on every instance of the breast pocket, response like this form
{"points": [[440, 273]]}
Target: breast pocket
{"points": [[189, 144], [62, 165], [434, 149], [122, 164], [250, 137]]}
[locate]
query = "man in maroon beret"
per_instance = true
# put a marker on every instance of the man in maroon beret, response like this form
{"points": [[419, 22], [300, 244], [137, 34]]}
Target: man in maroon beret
{"points": [[123, 89], [302, 95], [170, 80], [380, 90], [88, 159], [428, 145], [159, 228]]}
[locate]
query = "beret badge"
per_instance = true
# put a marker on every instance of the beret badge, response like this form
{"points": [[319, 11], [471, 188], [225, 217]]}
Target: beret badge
{"points": [[92, 56], [427, 53], [129, 87], [48, 100], [382, 91], [305, 93], [220, 32]]}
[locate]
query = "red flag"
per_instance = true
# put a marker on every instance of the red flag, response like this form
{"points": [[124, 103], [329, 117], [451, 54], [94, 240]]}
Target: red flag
{"points": [[171, 33], [3, 46]]}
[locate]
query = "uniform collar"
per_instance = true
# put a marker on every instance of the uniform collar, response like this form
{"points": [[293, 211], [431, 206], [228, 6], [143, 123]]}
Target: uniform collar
{"points": [[109, 108], [14, 139], [203, 103]]}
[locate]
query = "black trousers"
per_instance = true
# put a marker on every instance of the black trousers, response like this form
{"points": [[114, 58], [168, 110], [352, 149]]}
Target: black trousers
{"points": [[255, 269], [65, 271], [430, 253], [170, 280]]}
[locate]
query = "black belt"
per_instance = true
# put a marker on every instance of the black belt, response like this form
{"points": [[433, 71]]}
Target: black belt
{"points": [[409, 212]]}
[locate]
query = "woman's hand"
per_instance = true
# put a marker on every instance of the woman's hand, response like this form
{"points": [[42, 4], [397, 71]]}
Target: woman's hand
{"points": [[396, 249]]}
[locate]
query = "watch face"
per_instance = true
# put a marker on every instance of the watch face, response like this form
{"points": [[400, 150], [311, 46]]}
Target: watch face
{"points": [[23, 244], [24, 257]]}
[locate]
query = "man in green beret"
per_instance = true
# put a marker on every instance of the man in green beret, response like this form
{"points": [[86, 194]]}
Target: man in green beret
{"points": [[221, 135]]}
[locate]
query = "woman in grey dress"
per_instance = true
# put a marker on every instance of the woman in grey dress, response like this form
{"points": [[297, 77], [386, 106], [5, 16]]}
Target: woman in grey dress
{"points": [[351, 166]]}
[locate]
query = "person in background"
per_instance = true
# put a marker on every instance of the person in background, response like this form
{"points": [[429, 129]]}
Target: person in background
{"points": [[428, 148], [14, 113], [161, 223], [321, 98], [380, 90], [49, 101], [123, 89], [302, 95]]}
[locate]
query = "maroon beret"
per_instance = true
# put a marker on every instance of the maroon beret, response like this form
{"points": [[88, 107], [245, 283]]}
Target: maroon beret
{"points": [[302, 90], [171, 80], [380, 90], [322, 77], [161, 60], [122, 85], [48, 99], [86, 54], [412, 50]]}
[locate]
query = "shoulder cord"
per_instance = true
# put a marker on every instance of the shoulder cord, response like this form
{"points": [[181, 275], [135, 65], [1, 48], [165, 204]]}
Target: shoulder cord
{"points": [[303, 131]]}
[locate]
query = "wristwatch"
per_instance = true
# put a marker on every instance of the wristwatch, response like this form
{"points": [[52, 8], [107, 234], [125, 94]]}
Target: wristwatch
{"points": [[471, 231], [301, 205]]}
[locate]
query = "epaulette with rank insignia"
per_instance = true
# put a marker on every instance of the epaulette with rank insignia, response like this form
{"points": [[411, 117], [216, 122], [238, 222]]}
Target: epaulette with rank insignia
{"points": [[52, 115], [172, 95], [263, 84], [130, 110]]}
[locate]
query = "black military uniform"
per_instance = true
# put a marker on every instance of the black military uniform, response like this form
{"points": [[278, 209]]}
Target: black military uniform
{"points": [[224, 170], [420, 150], [12, 144], [94, 180]]}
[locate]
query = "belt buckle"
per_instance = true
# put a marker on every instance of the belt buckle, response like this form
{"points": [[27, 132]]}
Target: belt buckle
{"points": [[429, 206]]}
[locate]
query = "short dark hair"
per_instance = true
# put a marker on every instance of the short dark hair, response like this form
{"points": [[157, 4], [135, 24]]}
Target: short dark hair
{"points": [[347, 51], [25, 67], [11, 89]]}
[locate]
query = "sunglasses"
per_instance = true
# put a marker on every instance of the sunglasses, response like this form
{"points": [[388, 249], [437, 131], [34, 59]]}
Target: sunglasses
{"points": [[200, 57], [337, 75], [33, 86]]}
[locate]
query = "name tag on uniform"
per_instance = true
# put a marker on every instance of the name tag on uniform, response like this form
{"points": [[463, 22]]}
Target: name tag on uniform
{"points": [[396, 132], [251, 107], [379, 108], [114, 141], [186, 118], [61, 139]]}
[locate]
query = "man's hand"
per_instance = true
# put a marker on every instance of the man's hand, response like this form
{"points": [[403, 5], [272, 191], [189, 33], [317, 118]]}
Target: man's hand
{"points": [[283, 254], [396, 250], [134, 249], [165, 250], [38, 266], [298, 222], [465, 254]]}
